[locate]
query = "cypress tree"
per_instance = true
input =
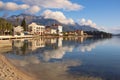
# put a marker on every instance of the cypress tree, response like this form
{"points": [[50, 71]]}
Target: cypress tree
{"points": [[23, 24]]}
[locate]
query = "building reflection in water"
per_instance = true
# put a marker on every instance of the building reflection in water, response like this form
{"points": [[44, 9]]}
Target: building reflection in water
{"points": [[47, 47], [53, 48], [37, 43], [5, 46], [90, 44], [60, 42], [47, 56]]}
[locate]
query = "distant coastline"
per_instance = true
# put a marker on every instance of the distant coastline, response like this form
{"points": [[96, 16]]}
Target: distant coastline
{"points": [[32, 36]]}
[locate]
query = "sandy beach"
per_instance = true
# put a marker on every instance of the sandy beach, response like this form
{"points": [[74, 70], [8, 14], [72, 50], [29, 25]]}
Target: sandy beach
{"points": [[10, 72]]}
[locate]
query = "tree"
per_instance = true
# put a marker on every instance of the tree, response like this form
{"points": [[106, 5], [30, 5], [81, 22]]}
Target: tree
{"points": [[23, 24], [17, 22], [5, 27]]}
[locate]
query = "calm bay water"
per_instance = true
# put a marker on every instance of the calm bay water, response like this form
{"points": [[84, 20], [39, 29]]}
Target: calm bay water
{"points": [[66, 58]]}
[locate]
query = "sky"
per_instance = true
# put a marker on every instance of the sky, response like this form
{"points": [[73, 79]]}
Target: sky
{"points": [[101, 14]]}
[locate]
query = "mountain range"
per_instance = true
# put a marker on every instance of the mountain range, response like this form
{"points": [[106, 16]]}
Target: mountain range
{"points": [[16, 20]]}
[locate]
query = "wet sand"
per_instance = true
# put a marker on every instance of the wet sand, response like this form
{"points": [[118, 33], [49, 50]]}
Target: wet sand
{"points": [[10, 72]]}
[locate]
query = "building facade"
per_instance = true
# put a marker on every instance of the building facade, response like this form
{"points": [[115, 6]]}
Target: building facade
{"points": [[53, 31], [58, 28], [33, 28], [80, 32], [18, 31]]}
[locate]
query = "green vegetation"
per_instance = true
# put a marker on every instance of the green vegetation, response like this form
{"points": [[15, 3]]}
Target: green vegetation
{"points": [[98, 34], [5, 27], [24, 48], [24, 25]]}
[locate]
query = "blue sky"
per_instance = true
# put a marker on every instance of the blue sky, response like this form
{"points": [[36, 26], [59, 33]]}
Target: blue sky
{"points": [[105, 13]]}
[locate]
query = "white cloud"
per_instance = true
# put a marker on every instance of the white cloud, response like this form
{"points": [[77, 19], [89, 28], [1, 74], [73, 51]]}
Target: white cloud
{"points": [[100, 28], [24, 6], [57, 54], [1, 4], [57, 15], [33, 9], [12, 6], [59, 4], [90, 23], [87, 23], [26, 61], [87, 48], [90, 46], [115, 30]]}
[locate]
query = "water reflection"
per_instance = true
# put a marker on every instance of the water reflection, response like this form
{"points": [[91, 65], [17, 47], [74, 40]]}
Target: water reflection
{"points": [[47, 48], [91, 44], [62, 58], [5, 46]]}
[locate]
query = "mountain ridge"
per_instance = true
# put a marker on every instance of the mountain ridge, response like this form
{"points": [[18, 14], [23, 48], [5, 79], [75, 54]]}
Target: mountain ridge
{"points": [[16, 20]]}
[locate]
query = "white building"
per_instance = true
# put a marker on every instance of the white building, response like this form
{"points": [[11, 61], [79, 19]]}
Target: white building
{"points": [[18, 30], [80, 32], [33, 28], [53, 31], [59, 28]]}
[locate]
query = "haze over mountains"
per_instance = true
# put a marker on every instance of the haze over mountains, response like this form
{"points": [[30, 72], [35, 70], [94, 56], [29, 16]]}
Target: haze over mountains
{"points": [[16, 19]]}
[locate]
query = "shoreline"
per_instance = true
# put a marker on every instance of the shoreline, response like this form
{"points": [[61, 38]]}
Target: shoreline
{"points": [[32, 36], [9, 72], [15, 37]]}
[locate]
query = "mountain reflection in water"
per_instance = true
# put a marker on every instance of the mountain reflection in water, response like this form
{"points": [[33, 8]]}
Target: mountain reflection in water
{"points": [[63, 58]]}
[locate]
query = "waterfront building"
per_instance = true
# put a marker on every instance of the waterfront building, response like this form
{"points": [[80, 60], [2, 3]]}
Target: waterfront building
{"points": [[49, 30], [58, 29], [18, 31], [33, 28], [80, 32], [53, 31]]}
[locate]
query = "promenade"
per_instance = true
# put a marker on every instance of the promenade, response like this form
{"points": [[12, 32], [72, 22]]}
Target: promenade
{"points": [[15, 37]]}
